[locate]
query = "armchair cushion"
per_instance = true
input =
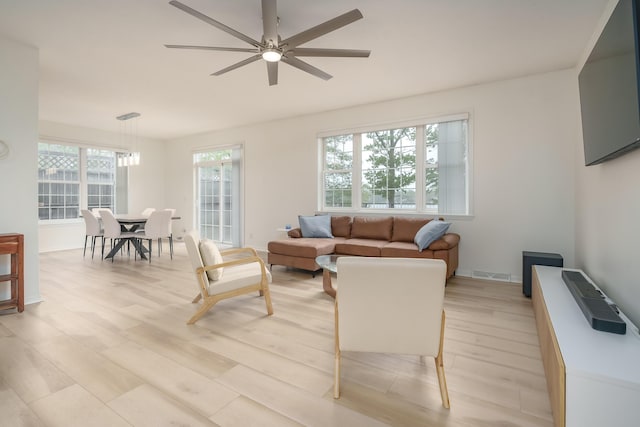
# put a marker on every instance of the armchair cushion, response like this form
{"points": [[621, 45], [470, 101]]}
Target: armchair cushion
{"points": [[210, 256]]}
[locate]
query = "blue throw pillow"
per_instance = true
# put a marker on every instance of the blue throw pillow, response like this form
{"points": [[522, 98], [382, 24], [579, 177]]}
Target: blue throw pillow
{"points": [[430, 232], [315, 226]]}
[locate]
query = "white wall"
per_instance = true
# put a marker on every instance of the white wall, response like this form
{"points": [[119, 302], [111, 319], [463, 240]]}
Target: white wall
{"points": [[18, 173], [523, 134], [607, 216], [146, 182]]}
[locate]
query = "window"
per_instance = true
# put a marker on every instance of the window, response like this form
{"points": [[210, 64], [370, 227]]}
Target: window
{"points": [[58, 181], [71, 178], [420, 168], [100, 178]]}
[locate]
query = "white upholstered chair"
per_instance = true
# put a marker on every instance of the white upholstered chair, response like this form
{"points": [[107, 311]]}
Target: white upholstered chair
{"points": [[219, 278], [112, 229], [157, 226], [93, 229], [391, 305], [147, 211]]}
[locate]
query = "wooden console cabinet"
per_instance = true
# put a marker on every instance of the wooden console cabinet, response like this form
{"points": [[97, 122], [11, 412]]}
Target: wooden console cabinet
{"points": [[13, 244], [593, 377]]}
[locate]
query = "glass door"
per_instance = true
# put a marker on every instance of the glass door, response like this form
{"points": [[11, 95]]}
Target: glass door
{"points": [[217, 176]]}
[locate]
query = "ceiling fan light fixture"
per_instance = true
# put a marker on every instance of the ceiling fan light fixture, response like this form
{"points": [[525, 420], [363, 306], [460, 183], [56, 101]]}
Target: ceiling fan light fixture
{"points": [[271, 55]]}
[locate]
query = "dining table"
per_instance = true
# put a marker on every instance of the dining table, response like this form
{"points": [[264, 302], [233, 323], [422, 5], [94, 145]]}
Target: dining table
{"points": [[131, 223]]}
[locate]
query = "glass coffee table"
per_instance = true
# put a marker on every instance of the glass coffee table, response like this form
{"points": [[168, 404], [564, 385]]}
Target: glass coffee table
{"points": [[328, 264]]}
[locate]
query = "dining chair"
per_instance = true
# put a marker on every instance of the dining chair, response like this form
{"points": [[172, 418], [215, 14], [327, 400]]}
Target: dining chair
{"points": [[225, 274], [145, 213], [93, 229], [173, 213], [157, 226], [112, 229], [390, 305]]}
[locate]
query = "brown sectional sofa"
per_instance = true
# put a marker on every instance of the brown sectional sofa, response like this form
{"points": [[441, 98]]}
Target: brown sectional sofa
{"points": [[363, 236]]}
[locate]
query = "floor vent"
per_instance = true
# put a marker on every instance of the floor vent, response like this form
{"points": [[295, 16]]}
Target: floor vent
{"points": [[502, 277]]}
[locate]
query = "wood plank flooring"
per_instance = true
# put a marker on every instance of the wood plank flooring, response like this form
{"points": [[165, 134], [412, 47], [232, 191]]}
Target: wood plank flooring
{"points": [[109, 347]]}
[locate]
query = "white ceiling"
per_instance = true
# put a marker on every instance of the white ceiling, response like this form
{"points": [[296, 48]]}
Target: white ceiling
{"points": [[103, 58]]}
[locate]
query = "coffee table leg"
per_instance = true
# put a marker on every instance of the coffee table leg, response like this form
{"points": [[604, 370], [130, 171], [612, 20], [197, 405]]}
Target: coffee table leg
{"points": [[326, 283]]}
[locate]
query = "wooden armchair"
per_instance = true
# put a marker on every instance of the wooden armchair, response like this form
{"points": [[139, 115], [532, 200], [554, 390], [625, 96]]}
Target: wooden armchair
{"points": [[219, 279], [391, 305]]}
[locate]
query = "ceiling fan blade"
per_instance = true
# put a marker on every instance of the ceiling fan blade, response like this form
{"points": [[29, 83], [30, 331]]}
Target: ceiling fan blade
{"points": [[270, 21], [215, 23], [225, 49], [301, 65], [272, 71], [324, 28], [238, 65], [348, 53]]}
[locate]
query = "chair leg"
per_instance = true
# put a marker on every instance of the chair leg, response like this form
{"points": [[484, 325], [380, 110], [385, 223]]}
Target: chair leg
{"points": [[86, 236], [206, 305], [336, 369], [150, 249], [444, 393], [93, 245], [171, 245]]}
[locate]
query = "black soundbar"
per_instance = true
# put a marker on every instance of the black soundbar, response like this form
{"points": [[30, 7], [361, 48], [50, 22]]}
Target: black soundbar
{"points": [[600, 315]]}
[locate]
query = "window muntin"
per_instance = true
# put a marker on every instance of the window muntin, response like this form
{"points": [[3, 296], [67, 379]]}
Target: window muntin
{"points": [[382, 172]]}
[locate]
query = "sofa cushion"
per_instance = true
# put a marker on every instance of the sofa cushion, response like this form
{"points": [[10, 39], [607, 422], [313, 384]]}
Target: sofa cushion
{"points": [[360, 247], [405, 229], [304, 247], [404, 250], [378, 228], [315, 226], [341, 226], [430, 232]]}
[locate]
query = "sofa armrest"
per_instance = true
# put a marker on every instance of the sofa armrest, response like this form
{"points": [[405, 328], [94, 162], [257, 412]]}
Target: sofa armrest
{"points": [[448, 241]]}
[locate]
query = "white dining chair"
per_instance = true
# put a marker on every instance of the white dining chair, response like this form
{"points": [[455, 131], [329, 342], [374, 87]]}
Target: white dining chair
{"points": [[113, 231], [147, 211], [93, 229], [158, 226]]}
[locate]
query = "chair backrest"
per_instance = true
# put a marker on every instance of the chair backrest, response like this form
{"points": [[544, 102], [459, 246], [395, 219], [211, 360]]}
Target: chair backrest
{"points": [[158, 225], [390, 305], [91, 223], [147, 211], [192, 242], [97, 210], [173, 213], [110, 224]]}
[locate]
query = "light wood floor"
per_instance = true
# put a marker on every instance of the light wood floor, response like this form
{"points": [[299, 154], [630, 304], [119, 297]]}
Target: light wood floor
{"points": [[109, 347]]}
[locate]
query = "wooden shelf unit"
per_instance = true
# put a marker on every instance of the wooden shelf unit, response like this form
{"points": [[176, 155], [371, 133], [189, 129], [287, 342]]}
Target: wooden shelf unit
{"points": [[592, 376], [13, 244]]}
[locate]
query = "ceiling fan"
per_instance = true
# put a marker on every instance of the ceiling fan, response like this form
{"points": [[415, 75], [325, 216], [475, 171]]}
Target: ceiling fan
{"points": [[272, 48]]}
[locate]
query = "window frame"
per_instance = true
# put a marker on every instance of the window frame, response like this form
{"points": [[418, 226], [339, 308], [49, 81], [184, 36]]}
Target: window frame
{"points": [[420, 162]]}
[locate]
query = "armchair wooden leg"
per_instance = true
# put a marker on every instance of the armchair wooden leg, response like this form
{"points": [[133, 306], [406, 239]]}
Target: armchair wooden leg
{"points": [[336, 378], [444, 393], [267, 297], [201, 312], [336, 368]]}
